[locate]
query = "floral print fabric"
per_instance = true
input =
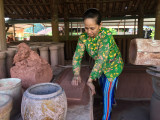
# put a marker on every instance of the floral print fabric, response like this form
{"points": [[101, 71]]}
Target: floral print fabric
{"points": [[103, 50]]}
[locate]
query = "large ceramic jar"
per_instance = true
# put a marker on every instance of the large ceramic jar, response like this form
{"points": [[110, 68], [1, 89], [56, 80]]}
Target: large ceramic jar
{"points": [[5, 106], [44, 101], [12, 87]]}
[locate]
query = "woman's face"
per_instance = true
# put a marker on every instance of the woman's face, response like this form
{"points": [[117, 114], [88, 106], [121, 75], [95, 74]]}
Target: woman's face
{"points": [[91, 27]]}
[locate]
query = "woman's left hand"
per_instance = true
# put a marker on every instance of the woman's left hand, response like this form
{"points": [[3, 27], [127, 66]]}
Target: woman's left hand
{"points": [[91, 86]]}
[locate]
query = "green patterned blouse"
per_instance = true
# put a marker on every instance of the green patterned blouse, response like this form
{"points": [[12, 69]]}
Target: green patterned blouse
{"points": [[103, 50]]}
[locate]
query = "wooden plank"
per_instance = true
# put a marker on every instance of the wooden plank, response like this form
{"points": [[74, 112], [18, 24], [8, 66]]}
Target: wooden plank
{"points": [[133, 6], [130, 5], [9, 10], [103, 7], [110, 7], [6, 11], [152, 5], [40, 8], [94, 2], [113, 6], [137, 5], [120, 6], [117, 6], [16, 8]]}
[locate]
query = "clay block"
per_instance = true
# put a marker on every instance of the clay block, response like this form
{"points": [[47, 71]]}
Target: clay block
{"points": [[30, 67], [75, 94], [144, 52]]}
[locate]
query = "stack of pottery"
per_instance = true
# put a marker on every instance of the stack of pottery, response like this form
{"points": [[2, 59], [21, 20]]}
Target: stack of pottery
{"points": [[12, 87]]}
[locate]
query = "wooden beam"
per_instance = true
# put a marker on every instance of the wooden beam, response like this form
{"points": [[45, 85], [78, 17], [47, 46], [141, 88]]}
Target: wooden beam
{"points": [[9, 10], [157, 25], [3, 45], [55, 30], [27, 8], [95, 2], [27, 4], [16, 8]]}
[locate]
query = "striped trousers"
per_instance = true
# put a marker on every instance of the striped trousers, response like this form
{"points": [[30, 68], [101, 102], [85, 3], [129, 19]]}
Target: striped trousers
{"points": [[108, 95]]}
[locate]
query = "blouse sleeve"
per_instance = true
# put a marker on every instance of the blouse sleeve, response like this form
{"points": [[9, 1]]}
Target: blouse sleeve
{"points": [[78, 57], [102, 56]]}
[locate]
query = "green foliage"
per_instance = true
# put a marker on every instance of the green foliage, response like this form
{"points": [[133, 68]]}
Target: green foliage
{"points": [[113, 31], [49, 33], [153, 31]]}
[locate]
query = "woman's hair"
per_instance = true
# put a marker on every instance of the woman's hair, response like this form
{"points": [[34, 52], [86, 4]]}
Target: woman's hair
{"points": [[92, 13]]}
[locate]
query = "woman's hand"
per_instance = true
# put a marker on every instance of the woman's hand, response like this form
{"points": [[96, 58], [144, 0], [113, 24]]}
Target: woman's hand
{"points": [[76, 80], [91, 86]]}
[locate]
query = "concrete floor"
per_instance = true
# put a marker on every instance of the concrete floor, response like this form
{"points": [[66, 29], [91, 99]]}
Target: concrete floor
{"points": [[125, 110]]}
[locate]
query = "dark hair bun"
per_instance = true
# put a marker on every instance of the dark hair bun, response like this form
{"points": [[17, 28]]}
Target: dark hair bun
{"points": [[92, 13]]}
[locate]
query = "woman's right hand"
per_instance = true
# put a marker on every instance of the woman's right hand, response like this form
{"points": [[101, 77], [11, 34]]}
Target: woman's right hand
{"points": [[76, 80]]}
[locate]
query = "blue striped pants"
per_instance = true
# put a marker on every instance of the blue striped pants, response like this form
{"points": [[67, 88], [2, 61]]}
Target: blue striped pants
{"points": [[108, 95]]}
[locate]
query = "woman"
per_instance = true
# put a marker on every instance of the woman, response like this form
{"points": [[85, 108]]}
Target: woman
{"points": [[100, 45]]}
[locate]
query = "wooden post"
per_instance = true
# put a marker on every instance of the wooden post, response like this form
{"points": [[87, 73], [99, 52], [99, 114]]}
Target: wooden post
{"points": [[77, 28], [55, 30], [14, 35], [118, 29], [66, 23], [134, 26], [33, 29], [80, 28], [140, 20], [124, 26], [71, 28], [140, 26], [3, 45], [157, 24]]}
